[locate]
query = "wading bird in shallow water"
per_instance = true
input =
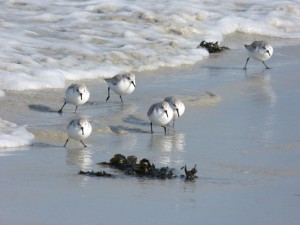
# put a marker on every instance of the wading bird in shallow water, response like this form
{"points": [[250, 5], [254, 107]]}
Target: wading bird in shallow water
{"points": [[121, 84], [177, 106], [76, 94], [160, 114], [259, 50], [78, 129]]}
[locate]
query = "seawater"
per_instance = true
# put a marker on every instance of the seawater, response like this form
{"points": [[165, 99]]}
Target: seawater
{"points": [[46, 43]]}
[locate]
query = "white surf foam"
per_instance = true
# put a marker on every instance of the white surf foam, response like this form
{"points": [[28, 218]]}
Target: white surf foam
{"points": [[12, 135], [45, 43]]}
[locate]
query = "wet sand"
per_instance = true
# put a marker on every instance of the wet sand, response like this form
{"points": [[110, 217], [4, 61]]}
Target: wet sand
{"points": [[244, 140]]}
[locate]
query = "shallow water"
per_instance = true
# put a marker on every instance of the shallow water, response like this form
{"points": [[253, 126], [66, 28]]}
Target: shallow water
{"points": [[244, 140]]}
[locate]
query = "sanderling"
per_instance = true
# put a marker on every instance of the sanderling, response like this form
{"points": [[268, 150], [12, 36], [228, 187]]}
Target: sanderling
{"points": [[259, 50], [76, 94], [160, 114], [121, 84], [79, 129], [177, 106]]}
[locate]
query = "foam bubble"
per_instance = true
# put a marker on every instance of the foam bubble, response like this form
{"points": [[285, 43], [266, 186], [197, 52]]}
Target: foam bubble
{"points": [[2, 93]]}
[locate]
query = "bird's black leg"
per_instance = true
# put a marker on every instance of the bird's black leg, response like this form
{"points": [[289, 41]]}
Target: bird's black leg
{"points": [[108, 94], [165, 129], [173, 123], [60, 111], [83, 144], [66, 142], [246, 63], [266, 65], [76, 108], [121, 98], [151, 128]]}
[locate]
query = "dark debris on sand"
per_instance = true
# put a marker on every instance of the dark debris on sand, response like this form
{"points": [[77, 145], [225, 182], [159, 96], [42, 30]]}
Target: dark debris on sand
{"points": [[96, 174], [212, 47], [189, 174], [144, 168]]}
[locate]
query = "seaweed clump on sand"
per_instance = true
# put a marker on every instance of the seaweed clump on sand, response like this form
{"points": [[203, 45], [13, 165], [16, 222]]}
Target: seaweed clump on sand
{"points": [[144, 168], [212, 47]]}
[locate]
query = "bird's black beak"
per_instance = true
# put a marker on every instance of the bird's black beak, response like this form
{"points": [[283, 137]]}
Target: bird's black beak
{"points": [[81, 96], [133, 83], [177, 112], [82, 130], [166, 113]]}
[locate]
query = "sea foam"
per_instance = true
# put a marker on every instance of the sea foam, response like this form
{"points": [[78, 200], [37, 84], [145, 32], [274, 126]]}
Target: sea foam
{"points": [[45, 43], [12, 135]]}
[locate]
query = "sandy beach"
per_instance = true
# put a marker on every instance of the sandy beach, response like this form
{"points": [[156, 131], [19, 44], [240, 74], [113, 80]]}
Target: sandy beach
{"points": [[244, 140]]}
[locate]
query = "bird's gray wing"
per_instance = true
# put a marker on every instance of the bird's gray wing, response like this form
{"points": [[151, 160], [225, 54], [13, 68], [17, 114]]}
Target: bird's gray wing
{"points": [[151, 109], [114, 80]]}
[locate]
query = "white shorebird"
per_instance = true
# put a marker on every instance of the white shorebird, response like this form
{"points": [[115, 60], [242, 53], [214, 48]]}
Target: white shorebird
{"points": [[160, 114], [259, 50], [76, 94], [177, 106], [121, 84], [78, 129]]}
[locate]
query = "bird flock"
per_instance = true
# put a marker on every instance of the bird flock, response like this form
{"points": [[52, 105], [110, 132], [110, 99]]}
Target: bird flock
{"points": [[160, 114]]}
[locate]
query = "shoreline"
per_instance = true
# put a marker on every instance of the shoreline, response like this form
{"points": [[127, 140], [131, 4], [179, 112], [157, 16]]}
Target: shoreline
{"points": [[245, 143]]}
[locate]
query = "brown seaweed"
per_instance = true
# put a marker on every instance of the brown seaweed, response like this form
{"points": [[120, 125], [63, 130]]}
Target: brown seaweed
{"points": [[144, 168], [190, 174], [212, 47]]}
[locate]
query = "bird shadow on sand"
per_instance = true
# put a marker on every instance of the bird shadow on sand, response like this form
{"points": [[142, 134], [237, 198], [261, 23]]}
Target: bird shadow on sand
{"points": [[45, 145], [42, 108], [131, 119], [124, 129]]}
